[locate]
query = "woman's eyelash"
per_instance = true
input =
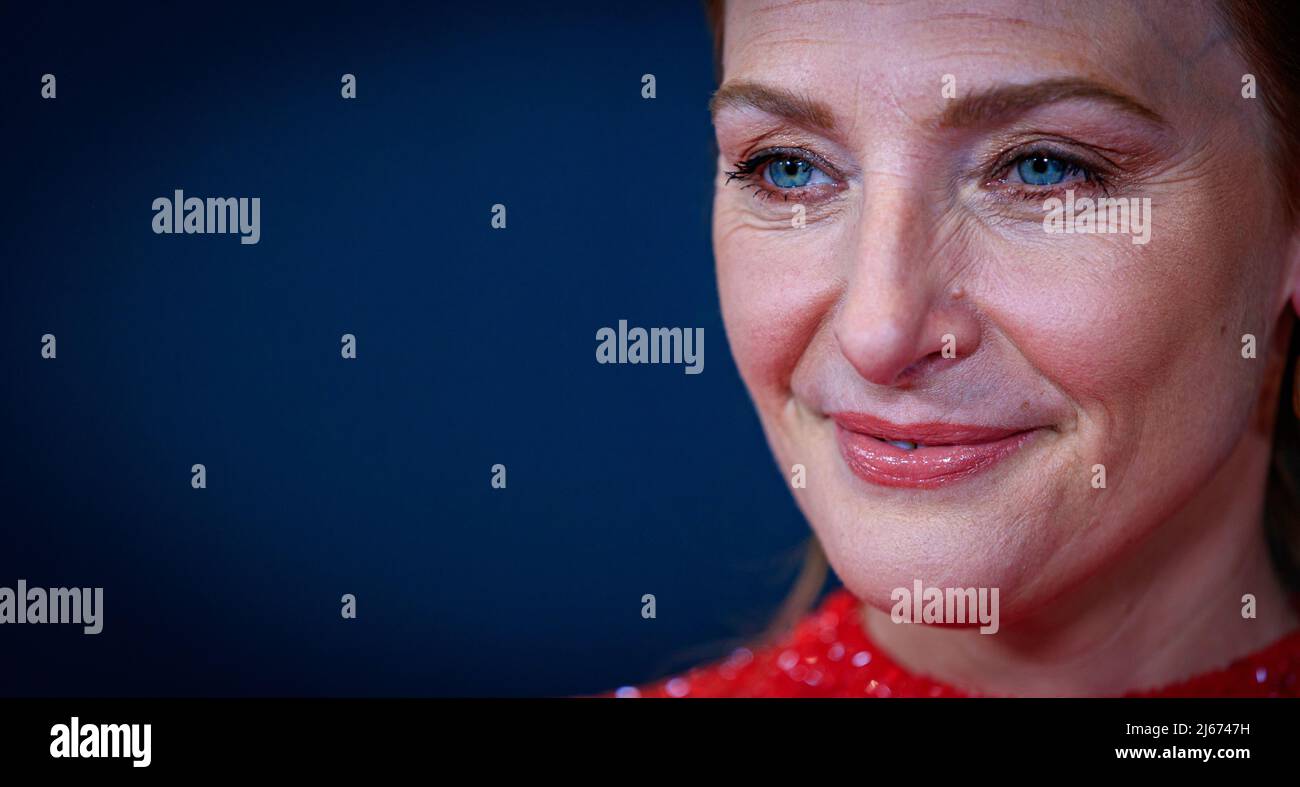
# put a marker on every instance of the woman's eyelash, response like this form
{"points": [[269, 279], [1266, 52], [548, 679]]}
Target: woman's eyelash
{"points": [[1092, 174], [804, 172], [1043, 160], [747, 169], [743, 169]]}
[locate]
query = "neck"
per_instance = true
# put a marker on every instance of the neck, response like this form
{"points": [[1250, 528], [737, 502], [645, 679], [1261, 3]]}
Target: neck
{"points": [[1171, 610]]}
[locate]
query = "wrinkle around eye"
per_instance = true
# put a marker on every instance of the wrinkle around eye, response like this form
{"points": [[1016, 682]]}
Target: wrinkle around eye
{"points": [[744, 212]]}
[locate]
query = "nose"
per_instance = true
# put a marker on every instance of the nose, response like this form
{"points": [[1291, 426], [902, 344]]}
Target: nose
{"points": [[900, 318]]}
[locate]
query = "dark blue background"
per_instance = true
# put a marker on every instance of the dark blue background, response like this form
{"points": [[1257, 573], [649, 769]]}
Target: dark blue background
{"points": [[476, 346]]}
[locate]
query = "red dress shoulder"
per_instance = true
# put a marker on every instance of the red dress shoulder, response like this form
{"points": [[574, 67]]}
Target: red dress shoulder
{"points": [[828, 654]]}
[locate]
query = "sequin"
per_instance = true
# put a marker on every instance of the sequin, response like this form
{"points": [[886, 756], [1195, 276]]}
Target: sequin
{"points": [[830, 655], [787, 660]]}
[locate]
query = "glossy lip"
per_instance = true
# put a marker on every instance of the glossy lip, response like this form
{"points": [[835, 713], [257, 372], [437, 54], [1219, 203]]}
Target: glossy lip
{"points": [[951, 452]]}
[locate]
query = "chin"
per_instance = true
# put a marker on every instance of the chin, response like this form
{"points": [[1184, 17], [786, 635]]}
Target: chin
{"points": [[1025, 521]]}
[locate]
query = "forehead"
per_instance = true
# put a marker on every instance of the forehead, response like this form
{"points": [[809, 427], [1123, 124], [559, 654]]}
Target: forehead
{"points": [[869, 54]]}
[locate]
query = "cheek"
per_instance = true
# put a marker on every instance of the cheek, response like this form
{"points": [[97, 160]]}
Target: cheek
{"points": [[775, 287], [1144, 340], [1104, 317]]}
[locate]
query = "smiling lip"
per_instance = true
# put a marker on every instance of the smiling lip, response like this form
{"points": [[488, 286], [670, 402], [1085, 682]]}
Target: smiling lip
{"points": [[945, 453]]}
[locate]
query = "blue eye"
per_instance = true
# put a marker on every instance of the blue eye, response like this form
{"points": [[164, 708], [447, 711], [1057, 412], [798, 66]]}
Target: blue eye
{"points": [[1042, 170], [777, 171], [790, 173]]}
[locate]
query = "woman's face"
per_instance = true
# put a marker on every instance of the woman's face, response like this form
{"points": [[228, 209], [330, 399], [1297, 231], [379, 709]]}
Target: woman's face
{"points": [[892, 162]]}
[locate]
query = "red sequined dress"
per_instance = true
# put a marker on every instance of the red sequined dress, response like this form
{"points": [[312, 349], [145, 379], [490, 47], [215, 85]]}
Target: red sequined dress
{"points": [[829, 655]]}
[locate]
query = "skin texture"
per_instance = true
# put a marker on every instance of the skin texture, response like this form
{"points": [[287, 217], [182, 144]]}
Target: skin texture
{"points": [[1118, 354]]}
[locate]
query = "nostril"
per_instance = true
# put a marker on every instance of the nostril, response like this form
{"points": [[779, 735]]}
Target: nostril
{"points": [[928, 366], [896, 341]]}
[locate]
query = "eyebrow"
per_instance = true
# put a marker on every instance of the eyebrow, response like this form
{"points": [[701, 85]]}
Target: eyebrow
{"points": [[984, 107], [788, 104], [990, 105]]}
